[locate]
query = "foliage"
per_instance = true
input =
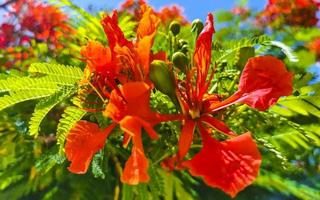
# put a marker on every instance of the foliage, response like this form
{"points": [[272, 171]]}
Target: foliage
{"points": [[42, 101]]}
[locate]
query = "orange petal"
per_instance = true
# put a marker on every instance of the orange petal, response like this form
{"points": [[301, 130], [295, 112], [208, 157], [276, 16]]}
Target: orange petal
{"points": [[135, 102], [97, 56], [83, 141], [148, 23], [145, 35], [136, 167], [230, 166]]}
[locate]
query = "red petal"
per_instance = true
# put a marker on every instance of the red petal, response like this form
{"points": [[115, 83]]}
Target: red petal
{"points": [[186, 137], [263, 81], [217, 124], [231, 165], [83, 141], [113, 31], [202, 54]]}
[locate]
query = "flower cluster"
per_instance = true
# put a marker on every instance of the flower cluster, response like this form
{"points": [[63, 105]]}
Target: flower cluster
{"points": [[166, 14], [28, 23], [33, 20], [124, 74], [291, 12]]}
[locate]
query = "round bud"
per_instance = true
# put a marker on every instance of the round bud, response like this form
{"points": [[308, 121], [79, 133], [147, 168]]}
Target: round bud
{"points": [[180, 60], [197, 26], [185, 48], [182, 42], [162, 77], [175, 27]]}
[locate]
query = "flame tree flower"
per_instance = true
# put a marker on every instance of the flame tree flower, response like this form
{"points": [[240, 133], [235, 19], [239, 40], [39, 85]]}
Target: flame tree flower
{"points": [[128, 63], [233, 164], [174, 12], [291, 12]]}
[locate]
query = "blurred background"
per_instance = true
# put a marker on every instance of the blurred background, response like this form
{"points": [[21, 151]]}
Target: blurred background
{"points": [[192, 8]]}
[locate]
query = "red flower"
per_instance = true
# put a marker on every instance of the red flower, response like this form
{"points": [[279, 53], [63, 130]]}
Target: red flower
{"points": [[291, 12], [132, 7], [6, 35], [45, 22], [233, 164], [128, 104], [169, 13]]}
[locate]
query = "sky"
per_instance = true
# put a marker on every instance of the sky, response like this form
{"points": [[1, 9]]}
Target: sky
{"points": [[192, 8]]}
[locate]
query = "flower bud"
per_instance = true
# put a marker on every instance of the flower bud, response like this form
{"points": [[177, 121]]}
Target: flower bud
{"points": [[182, 42], [185, 48], [197, 26], [162, 77], [175, 27], [180, 61]]}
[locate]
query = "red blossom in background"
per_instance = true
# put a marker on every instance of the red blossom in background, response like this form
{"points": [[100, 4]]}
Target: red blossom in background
{"points": [[291, 12], [314, 46], [174, 12], [6, 35], [37, 20], [166, 14], [28, 23]]}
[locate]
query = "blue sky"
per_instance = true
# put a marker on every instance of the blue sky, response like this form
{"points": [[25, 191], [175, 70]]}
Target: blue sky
{"points": [[193, 8]]}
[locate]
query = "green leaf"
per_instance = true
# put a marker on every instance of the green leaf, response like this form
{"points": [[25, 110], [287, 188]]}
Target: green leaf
{"points": [[96, 166], [61, 74], [28, 94], [69, 118], [174, 187], [273, 182], [44, 107]]}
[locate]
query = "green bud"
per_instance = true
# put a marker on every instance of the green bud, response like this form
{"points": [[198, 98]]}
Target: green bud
{"points": [[182, 42], [244, 54], [162, 78], [175, 27], [185, 48], [180, 61], [197, 26]]}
